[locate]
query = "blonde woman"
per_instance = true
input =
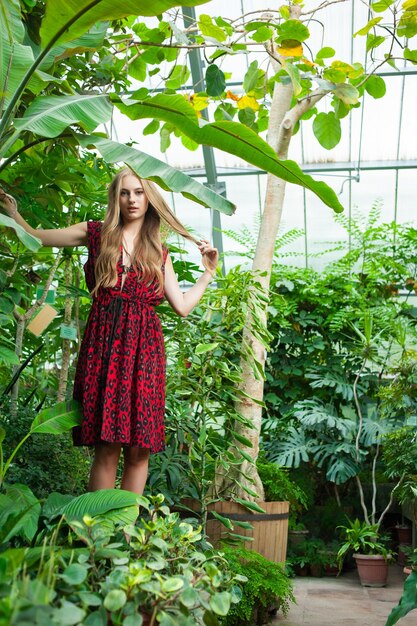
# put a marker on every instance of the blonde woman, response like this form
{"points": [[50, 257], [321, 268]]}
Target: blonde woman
{"points": [[120, 376]]}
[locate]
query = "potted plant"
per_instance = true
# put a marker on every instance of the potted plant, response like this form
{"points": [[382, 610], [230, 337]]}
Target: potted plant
{"points": [[410, 559], [329, 559], [369, 551]]}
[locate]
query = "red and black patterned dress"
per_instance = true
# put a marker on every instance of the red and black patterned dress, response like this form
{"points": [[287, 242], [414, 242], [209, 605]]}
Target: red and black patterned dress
{"points": [[120, 376]]}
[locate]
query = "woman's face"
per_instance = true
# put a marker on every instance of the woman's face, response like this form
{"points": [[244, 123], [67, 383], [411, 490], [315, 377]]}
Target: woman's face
{"points": [[132, 200]]}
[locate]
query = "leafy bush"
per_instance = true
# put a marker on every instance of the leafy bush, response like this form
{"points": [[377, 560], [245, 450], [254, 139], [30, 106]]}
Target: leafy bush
{"points": [[278, 486], [267, 588], [82, 569], [45, 462]]}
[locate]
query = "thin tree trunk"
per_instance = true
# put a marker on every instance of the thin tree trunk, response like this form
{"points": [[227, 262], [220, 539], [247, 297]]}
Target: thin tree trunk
{"points": [[20, 329], [66, 343]]}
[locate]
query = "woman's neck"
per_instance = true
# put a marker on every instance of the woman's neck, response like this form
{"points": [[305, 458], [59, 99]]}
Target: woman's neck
{"points": [[131, 230]]}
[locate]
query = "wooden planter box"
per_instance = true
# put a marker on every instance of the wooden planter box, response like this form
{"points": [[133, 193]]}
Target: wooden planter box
{"points": [[270, 529]]}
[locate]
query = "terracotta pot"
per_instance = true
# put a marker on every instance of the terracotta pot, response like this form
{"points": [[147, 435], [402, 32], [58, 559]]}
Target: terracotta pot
{"points": [[301, 571], [372, 569], [404, 534], [316, 570], [331, 570]]}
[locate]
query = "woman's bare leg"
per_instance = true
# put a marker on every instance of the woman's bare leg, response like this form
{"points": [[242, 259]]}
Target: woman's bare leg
{"points": [[104, 467], [135, 470]]}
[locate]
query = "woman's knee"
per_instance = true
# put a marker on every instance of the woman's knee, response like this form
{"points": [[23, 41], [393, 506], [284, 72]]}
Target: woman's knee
{"points": [[107, 454], [135, 456]]}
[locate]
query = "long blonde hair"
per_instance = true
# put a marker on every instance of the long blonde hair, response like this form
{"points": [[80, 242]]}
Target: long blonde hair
{"points": [[147, 256]]}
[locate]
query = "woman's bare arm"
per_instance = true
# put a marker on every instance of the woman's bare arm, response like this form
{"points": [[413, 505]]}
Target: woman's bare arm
{"points": [[184, 302], [75, 235]]}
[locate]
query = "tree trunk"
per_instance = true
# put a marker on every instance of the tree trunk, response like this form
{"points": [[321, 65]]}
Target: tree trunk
{"points": [[66, 343], [280, 130], [251, 384], [20, 329]]}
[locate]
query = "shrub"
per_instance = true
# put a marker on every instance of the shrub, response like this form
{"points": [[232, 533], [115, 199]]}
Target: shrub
{"points": [[101, 571], [44, 463], [267, 588]]}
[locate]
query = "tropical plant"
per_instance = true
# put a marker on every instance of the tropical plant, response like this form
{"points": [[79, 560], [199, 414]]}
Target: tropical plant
{"points": [[52, 105], [361, 538], [82, 570], [54, 421], [408, 600], [279, 486], [45, 462], [340, 374], [400, 458]]}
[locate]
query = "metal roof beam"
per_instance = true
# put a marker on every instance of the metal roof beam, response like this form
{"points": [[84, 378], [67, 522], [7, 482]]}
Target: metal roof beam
{"points": [[208, 154]]}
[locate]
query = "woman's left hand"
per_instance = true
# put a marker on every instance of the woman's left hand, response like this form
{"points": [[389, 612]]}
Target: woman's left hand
{"points": [[210, 256]]}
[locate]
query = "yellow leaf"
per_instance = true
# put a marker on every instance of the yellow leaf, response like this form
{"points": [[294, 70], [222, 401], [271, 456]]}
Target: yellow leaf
{"points": [[290, 48], [199, 102], [308, 62], [248, 101]]}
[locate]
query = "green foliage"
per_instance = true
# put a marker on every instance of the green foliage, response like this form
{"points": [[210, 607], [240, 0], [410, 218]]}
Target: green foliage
{"points": [[45, 463], [327, 129], [361, 538], [340, 372], [43, 98], [266, 589], [408, 600], [226, 135], [85, 571], [279, 486], [54, 421], [203, 372], [400, 458]]}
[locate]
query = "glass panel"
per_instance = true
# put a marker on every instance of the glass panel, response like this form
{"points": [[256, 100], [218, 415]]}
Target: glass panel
{"points": [[406, 202]]}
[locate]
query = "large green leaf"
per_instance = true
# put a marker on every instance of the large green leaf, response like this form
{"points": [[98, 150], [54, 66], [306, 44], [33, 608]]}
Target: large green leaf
{"points": [[67, 19], [408, 601], [153, 169], [99, 503], [19, 513], [48, 116], [15, 59], [11, 25], [231, 137], [88, 41], [28, 506], [58, 419], [31, 242]]}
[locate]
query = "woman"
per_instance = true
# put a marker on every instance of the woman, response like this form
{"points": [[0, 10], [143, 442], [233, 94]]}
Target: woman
{"points": [[120, 376]]}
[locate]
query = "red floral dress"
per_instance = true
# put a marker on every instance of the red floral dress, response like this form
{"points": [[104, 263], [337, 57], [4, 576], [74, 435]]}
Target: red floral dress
{"points": [[120, 376]]}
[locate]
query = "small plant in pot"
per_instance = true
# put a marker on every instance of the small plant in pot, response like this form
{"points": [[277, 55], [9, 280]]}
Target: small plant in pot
{"points": [[329, 559], [369, 551]]}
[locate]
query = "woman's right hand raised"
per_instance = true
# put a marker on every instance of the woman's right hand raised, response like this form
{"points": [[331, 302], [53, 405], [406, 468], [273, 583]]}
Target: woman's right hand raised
{"points": [[8, 203], [75, 235]]}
